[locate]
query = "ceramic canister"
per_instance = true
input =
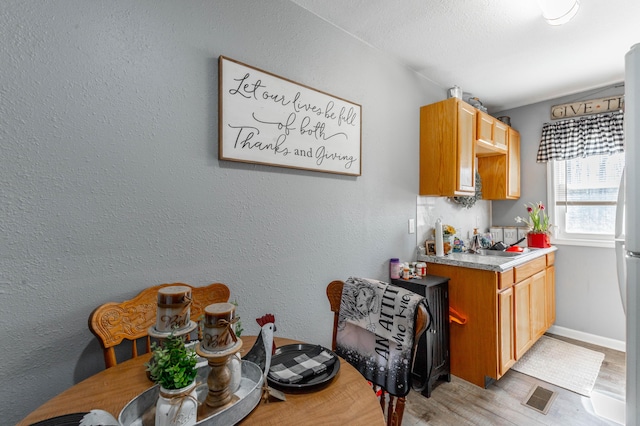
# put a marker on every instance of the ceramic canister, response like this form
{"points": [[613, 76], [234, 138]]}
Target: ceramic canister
{"points": [[454, 92], [174, 308], [218, 332]]}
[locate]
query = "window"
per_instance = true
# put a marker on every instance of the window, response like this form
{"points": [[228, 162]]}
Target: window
{"points": [[585, 159], [584, 193]]}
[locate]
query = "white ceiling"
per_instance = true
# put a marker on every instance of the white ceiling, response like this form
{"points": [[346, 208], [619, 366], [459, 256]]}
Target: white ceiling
{"points": [[501, 51]]}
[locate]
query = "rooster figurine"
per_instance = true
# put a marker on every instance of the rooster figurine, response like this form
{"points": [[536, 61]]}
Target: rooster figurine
{"points": [[264, 343], [265, 319], [262, 350]]}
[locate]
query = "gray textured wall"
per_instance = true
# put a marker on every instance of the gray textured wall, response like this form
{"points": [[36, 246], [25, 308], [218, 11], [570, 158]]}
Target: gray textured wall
{"points": [[587, 295], [110, 180]]}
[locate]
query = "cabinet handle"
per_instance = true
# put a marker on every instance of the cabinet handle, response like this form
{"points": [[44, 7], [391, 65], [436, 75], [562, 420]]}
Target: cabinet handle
{"points": [[455, 316]]}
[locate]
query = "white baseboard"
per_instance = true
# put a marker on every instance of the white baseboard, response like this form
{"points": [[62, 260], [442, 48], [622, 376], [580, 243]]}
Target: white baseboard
{"points": [[606, 342]]}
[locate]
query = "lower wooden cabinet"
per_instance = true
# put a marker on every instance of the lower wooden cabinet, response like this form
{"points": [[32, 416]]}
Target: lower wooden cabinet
{"points": [[529, 311], [550, 295], [506, 314], [506, 333], [522, 317]]}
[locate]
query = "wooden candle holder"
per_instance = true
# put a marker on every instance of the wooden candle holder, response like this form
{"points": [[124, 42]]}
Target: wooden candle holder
{"points": [[219, 379]]}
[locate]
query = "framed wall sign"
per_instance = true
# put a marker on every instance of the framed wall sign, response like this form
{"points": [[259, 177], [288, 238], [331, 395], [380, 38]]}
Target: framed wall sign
{"points": [[267, 119]]}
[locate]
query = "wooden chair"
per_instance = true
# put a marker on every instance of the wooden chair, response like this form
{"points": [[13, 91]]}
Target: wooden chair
{"points": [[394, 410], [130, 320]]}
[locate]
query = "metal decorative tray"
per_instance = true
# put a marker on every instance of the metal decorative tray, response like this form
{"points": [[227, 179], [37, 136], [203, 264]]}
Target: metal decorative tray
{"points": [[140, 411]]}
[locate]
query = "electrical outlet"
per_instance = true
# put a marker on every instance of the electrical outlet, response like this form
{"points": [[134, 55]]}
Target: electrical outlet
{"points": [[497, 234], [412, 226], [510, 235]]}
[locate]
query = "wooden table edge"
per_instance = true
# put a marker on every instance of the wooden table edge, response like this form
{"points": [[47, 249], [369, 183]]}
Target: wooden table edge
{"points": [[82, 392]]}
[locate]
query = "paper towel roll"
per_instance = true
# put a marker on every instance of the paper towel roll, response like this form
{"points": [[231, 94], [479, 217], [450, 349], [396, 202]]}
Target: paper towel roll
{"points": [[439, 242]]}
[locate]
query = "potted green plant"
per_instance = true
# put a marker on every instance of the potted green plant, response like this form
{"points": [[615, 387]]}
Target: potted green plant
{"points": [[173, 367]]}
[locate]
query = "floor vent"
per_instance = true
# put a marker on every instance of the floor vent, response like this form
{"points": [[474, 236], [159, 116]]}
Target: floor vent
{"points": [[539, 399]]}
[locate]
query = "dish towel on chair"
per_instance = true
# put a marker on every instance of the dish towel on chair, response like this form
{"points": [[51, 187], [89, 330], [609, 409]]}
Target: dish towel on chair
{"points": [[375, 332]]}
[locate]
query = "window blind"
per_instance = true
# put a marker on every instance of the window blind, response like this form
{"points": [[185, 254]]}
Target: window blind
{"points": [[586, 190]]}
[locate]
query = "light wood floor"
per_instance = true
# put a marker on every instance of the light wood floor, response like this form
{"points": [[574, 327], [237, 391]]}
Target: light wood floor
{"points": [[462, 403]]}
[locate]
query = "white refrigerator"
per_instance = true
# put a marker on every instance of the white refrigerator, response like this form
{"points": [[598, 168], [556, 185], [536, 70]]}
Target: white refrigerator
{"points": [[628, 241]]}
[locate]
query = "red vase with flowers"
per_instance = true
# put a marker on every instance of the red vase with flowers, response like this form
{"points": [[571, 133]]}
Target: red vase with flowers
{"points": [[539, 226], [538, 240]]}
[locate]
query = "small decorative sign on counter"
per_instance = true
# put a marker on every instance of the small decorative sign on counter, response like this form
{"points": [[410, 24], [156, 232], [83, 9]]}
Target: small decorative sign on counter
{"points": [[267, 119]]}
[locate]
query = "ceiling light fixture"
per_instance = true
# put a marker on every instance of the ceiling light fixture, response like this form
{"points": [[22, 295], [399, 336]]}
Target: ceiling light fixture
{"points": [[558, 12]]}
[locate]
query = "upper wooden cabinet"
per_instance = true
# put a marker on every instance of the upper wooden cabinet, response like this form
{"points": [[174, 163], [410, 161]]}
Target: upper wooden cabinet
{"points": [[447, 148], [452, 135], [500, 173], [500, 131], [513, 165], [491, 135]]}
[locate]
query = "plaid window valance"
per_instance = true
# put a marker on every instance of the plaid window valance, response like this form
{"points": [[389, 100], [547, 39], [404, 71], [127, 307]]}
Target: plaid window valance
{"points": [[582, 137]]}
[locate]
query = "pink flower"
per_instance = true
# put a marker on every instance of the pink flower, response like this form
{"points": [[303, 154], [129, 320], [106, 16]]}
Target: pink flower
{"points": [[538, 220]]}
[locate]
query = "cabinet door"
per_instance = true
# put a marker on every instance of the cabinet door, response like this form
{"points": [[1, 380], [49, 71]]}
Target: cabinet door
{"points": [[538, 305], [485, 128], [447, 149], [491, 135], [506, 346], [501, 173], [550, 296], [513, 165], [500, 135], [522, 316], [466, 180]]}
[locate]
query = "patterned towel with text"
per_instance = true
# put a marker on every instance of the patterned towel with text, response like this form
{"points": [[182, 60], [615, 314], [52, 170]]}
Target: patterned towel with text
{"points": [[375, 331]]}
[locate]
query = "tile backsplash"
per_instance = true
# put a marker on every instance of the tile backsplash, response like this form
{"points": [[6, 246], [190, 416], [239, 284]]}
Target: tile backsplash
{"points": [[429, 209]]}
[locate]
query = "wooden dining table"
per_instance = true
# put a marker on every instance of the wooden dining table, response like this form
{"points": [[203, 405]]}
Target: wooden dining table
{"points": [[346, 400]]}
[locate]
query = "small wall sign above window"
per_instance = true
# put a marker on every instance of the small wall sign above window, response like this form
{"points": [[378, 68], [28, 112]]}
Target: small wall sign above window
{"points": [[593, 106], [267, 119]]}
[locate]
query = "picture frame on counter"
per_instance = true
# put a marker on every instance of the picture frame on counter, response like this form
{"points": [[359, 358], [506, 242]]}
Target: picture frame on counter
{"points": [[268, 119], [430, 246]]}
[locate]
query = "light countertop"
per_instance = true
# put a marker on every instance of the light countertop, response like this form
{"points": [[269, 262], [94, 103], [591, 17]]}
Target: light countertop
{"points": [[487, 262]]}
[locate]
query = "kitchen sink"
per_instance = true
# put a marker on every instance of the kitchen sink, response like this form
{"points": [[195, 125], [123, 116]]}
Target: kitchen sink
{"points": [[486, 252]]}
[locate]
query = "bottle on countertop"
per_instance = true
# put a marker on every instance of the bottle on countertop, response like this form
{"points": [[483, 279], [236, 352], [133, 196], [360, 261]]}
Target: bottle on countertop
{"points": [[406, 272], [475, 241], [439, 239], [394, 268]]}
